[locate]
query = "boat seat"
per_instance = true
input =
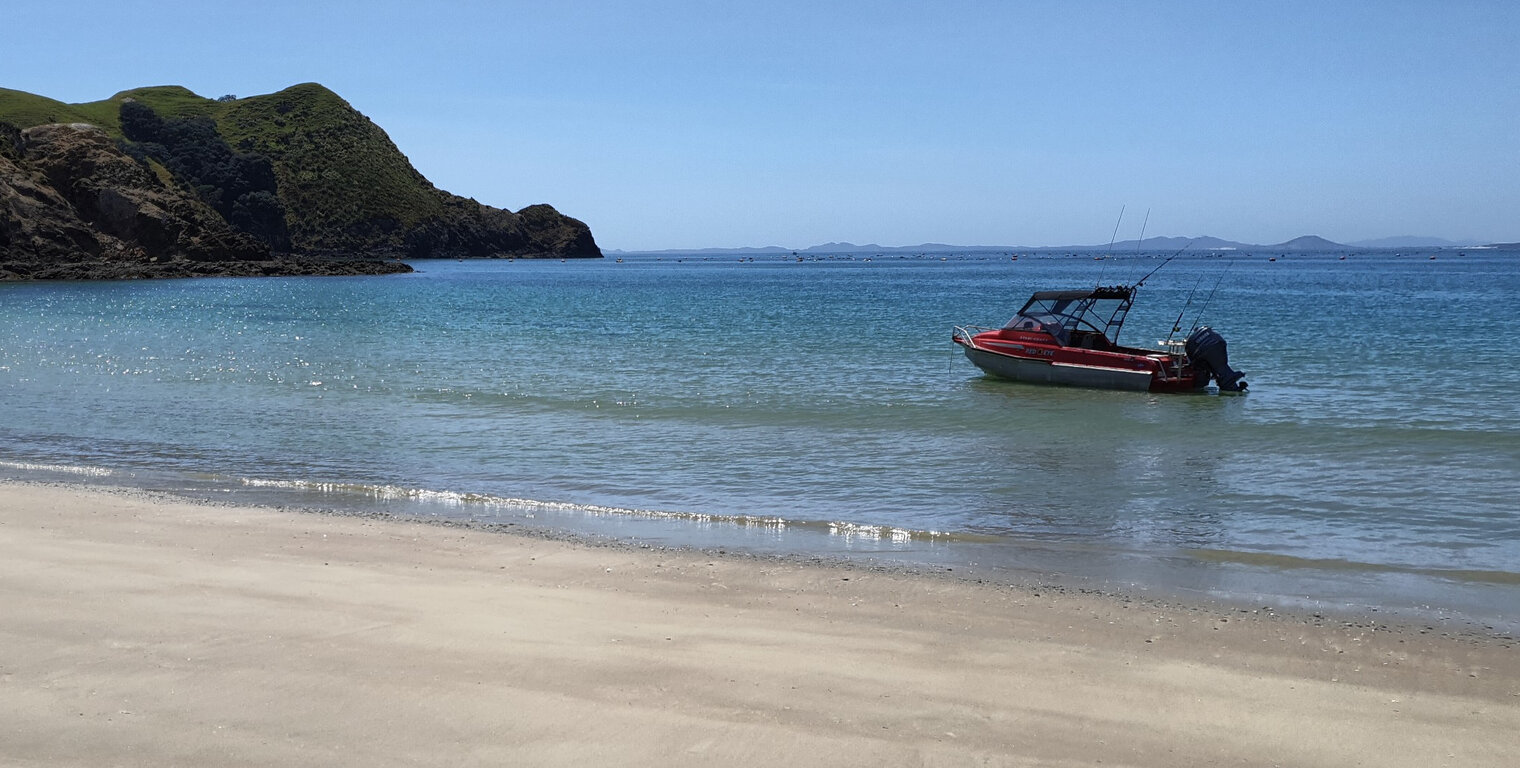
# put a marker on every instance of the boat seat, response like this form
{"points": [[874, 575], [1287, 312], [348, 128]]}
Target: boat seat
{"points": [[1091, 340]]}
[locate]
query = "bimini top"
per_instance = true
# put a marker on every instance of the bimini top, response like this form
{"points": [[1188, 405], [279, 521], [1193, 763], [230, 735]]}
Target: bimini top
{"points": [[1059, 313], [1101, 292]]}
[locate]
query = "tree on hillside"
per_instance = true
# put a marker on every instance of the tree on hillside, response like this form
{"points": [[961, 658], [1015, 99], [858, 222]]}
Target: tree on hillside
{"points": [[240, 186]]}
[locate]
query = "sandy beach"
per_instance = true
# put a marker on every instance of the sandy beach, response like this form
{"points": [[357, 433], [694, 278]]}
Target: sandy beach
{"points": [[136, 630]]}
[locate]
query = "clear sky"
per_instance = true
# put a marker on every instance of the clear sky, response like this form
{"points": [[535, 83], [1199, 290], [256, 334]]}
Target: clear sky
{"points": [[687, 124]]}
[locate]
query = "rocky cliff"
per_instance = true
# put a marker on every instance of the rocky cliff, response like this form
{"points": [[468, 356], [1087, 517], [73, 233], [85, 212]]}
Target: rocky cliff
{"points": [[163, 183], [74, 206]]}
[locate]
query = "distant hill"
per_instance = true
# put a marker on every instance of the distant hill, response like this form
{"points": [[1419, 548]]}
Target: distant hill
{"points": [[300, 173], [1207, 243], [743, 251], [1410, 241], [1204, 243], [1308, 243], [1192, 244]]}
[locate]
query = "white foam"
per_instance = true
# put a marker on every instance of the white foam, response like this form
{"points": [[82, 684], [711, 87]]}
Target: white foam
{"points": [[60, 468]]}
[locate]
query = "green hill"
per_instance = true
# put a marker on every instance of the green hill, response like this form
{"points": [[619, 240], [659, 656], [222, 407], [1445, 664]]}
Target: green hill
{"points": [[303, 172], [25, 110], [340, 177]]}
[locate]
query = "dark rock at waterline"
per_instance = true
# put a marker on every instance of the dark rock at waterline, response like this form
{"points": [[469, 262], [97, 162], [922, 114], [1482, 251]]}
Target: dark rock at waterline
{"points": [[149, 269]]}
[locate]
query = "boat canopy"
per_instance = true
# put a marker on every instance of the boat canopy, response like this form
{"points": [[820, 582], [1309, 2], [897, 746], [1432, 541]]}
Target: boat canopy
{"points": [[1061, 313]]}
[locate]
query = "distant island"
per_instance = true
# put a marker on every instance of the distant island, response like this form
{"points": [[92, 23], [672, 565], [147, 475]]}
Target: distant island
{"points": [[1307, 243], [161, 182]]}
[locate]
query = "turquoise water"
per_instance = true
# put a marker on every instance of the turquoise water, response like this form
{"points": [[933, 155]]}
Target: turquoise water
{"points": [[818, 407]]}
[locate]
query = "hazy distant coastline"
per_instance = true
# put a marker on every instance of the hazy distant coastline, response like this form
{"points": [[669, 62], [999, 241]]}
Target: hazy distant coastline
{"points": [[1205, 243]]}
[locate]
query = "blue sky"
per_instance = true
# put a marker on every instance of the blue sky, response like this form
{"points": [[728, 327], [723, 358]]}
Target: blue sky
{"points": [[705, 124]]}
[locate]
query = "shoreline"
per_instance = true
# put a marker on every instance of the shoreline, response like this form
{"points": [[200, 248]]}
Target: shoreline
{"points": [[1043, 567], [147, 630], [1028, 583]]}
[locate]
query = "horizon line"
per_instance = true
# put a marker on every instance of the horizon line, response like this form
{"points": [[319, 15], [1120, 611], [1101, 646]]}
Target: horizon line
{"points": [[1215, 243]]}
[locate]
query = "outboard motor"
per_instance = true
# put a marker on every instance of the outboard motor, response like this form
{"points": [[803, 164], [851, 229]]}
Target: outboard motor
{"points": [[1206, 348]]}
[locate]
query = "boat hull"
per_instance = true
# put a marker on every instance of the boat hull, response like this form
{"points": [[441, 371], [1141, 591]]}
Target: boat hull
{"points": [[1058, 373], [1131, 370]]}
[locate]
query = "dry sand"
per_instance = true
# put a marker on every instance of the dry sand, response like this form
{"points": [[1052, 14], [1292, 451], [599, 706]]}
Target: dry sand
{"points": [[143, 631]]}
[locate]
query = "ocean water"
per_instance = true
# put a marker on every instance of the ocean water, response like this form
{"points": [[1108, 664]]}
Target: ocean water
{"points": [[817, 407]]}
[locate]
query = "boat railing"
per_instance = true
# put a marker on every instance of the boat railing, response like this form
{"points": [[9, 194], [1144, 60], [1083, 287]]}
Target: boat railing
{"points": [[1174, 359], [963, 334]]}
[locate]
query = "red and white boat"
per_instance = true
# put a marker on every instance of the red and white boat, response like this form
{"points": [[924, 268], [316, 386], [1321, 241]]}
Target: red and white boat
{"points": [[1072, 338]]}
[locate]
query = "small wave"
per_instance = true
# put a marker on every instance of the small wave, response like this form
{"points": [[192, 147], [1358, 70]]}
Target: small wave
{"points": [[59, 468], [446, 498], [857, 531], [1272, 560], [843, 530]]}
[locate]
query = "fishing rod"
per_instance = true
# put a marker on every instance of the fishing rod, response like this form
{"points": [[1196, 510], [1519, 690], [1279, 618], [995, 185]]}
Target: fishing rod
{"points": [[1177, 324], [1210, 299], [1142, 280], [1115, 235], [1142, 231], [1111, 239]]}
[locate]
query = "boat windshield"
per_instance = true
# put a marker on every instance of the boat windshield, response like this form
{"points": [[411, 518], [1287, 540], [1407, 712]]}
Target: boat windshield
{"points": [[1064, 314]]}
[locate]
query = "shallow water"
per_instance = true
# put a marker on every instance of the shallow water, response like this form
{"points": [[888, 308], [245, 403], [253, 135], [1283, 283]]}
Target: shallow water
{"points": [[818, 407]]}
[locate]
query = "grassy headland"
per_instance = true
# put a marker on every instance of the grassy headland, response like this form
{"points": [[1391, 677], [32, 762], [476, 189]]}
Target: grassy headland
{"points": [[331, 180]]}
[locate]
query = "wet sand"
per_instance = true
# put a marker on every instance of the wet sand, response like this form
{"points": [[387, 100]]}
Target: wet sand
{"points": [[136, 630]]}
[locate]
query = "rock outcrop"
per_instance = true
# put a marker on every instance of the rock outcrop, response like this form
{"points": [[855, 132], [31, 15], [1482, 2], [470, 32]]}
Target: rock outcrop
{"points": [[73, 205]]}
